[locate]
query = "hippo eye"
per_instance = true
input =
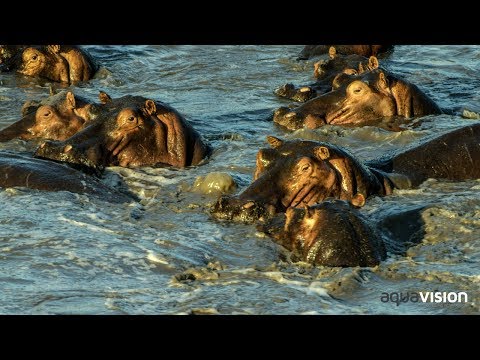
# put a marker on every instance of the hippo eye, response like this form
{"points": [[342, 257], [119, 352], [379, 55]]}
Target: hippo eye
{"points": [[34, 57], [131, 118], [357, 90], [46, 113], [305, 167]]}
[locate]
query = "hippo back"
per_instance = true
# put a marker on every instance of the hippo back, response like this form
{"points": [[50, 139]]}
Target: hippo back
{"points": [[454, 155]]}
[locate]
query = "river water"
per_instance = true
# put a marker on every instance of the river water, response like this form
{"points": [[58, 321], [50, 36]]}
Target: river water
{"points": [[65, 253]]}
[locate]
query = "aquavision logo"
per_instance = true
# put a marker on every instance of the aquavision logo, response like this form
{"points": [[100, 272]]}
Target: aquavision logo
{"points": [[439, 297]]}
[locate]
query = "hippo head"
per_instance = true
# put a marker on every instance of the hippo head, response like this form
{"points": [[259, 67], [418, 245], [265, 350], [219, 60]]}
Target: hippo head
{"points": [[332, 233], [33, 61], [357, 100], [57, 117], [340, 63], [127, 132], [296, 174]]}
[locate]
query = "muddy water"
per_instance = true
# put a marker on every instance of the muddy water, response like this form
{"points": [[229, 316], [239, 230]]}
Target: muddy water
{"points": [[64, 253]]}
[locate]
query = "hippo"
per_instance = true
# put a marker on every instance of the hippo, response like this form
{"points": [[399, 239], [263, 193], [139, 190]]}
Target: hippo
{"points": [[58, 117], [302, 173], [332, 233], [21, 170], [297, 174], [59, 63], [371, 98], [81, 66], [310, 51], [325, 72], [131, 131]]}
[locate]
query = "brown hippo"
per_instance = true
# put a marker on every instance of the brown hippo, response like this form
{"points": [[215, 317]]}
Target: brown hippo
{"points": [[57, 118], [131, 131], [20, 170], [81, 66], [303, 173], [300, 173], [371, 98], [363, 50], [332, 233], [325, 72], [59, 63], [44, 62]]}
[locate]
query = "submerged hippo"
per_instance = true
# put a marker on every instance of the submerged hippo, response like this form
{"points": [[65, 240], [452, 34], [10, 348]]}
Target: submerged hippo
{"points": [[303, 173], [332, 233], [325, 72], [131, 131], [20, 170], [57, 118], [59, 63], [363, 50], [371, 98]]}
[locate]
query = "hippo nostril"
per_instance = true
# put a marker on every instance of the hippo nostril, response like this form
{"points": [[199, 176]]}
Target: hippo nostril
{"points": [[67, 148], [248, 205]]}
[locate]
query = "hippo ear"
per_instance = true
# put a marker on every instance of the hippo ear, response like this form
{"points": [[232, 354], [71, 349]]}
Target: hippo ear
{"points": [[274, 142], [70, 98], [373, 62], [322, 152], [150, 107], [382, 80], [104, 97], [54, 49], [358, 200], [332, 52]]}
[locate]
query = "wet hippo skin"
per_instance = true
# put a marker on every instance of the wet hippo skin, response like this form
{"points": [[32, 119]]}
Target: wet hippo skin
{"points": [[325, 71], [370, 98], [332, 233], [131, 131], [57, 118], [303, 173], [21, 170], [59, 63], [363, 50]]}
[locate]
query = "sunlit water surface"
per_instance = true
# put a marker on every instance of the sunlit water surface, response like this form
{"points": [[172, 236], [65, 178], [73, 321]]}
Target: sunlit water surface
{"points": [[64, 253]]}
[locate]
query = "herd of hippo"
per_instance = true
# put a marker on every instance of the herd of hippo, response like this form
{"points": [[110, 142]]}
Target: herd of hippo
{"points": [[305, 194]]}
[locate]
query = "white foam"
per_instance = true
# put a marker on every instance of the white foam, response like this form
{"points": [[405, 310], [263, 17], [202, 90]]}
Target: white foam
{"points": [[157, 258], [85, 225]]}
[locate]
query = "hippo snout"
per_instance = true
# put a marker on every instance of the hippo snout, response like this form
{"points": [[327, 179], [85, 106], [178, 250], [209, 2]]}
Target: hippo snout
{"points": [[285, 90], [282, 111], [49, 149], [233, 208], [86, 159], [288, 118], [227, 206]]}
